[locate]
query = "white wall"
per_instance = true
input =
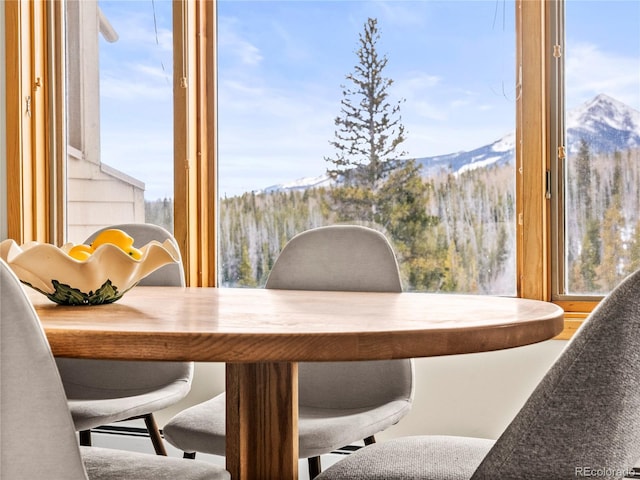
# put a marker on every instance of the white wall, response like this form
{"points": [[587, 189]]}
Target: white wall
{"points": [[469, 395], [3, 137], [476, 394]]}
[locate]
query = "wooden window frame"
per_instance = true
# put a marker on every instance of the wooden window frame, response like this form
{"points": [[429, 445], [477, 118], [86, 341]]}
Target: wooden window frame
{"points": [[37, 214], [578, 307], [36, 139], [28, 110], [195, 162]]}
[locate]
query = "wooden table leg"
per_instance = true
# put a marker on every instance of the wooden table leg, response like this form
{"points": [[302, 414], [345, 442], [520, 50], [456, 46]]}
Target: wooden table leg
{"points": [[262, 421]]}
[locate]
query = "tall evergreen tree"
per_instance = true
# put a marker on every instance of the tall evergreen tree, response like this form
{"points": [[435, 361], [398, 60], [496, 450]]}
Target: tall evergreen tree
{"points": [[404, 201], [368, 129], [246, 276], [583, 178], [590, 256]]}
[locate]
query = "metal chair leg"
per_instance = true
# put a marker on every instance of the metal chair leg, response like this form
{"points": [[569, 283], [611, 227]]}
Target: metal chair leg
{"points": [[154, 434], [85, 438], [315, 467]]}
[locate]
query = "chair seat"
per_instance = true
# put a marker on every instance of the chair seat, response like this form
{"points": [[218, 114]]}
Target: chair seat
{"points": [[91, 406], [420, 457], [324, 429], [108, 464], [201, 428]]}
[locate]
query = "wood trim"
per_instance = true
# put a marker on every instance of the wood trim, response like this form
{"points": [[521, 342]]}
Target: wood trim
{"points": [[28, 126], [576, 311], [194, 127], [571, 323], [40, 153], [16, 41], [531, 153], [58, 112], [183, 143], [577, 307], [206, 140]]}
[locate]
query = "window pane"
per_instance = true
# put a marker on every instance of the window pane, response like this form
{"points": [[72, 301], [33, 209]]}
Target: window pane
{"points": [[120, 115], [602, 175], [282, 74]]}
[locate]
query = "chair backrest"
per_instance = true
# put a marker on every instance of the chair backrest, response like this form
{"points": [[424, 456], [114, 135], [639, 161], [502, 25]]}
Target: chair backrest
{"points": [[584, 416], [337, 257], [348, 258], [37, 438], [171, 275], [118, 374]]}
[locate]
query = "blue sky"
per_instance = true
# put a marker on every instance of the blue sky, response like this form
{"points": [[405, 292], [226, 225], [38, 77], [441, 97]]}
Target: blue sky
{"points": [[281, 65]]}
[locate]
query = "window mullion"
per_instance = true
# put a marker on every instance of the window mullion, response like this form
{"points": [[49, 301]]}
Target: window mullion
{"points": [[531, 154], [194, 159], [28, 134]]}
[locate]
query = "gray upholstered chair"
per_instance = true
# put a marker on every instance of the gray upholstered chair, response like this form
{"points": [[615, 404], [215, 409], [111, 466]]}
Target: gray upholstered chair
{"points": [[37, 438], [105, 391], [583, 418], [339, 403]]}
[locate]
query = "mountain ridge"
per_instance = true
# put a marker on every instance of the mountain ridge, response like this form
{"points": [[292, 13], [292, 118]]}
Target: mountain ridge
{"points": [[607, 123]]}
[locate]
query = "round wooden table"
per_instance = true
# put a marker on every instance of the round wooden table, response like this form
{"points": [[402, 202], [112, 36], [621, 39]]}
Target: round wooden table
{"points": [[261, 335]]}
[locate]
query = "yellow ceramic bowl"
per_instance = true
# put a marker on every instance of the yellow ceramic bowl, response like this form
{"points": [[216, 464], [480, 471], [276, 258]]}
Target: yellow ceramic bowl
{"points": [[102, 278]]}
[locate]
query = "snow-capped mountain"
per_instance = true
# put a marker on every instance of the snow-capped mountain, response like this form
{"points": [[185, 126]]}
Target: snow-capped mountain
{"points": [[604, 122], [300, 184], [499, 152]]}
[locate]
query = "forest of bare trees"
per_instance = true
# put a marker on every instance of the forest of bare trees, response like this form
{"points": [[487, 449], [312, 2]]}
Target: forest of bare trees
{"points": [[468, 244], [602, 219]]}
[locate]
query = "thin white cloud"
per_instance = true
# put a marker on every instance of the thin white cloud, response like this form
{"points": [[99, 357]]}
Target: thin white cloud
{"points": [[137, 31], [235, 45], [417, 88], [591, 71], [401, 13], [292, 47], [419, 81], [138, 66], [144, 83], [460, 103], [426, 110]]}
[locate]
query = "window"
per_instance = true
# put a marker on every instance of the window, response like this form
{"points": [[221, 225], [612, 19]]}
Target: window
{"points": [[598, 166], [450, 215], [119, 115], [35, 191], [37, 118]]}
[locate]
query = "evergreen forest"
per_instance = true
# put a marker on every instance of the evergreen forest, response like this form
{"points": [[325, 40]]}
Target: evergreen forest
{"points": [[450, 233], [457, 235], [602, 219]]}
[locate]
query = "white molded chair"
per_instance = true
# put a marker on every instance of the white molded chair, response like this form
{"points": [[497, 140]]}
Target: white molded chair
{"points": [[37, 438], [339, 402], [582, 420], [105, 391]]}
